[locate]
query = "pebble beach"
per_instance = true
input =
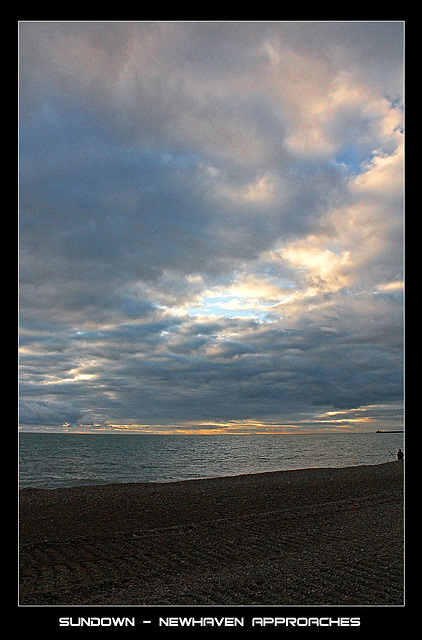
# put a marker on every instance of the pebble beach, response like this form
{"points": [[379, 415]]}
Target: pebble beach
{"points": [[330, 536]]}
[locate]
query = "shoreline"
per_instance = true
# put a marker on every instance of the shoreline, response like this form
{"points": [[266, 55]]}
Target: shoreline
{"points": [[305, 536], [102, 484]]}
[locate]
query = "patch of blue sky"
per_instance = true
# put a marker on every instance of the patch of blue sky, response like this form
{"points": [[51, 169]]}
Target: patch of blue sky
{"points": [[181, 160], [351, 159], [227, 307]]}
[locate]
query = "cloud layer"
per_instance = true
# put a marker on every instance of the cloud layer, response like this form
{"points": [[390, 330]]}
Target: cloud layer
{"points": [[211, 224]]}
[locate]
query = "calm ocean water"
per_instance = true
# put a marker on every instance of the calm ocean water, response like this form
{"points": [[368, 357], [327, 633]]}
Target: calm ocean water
{"points": [[64, 460]]}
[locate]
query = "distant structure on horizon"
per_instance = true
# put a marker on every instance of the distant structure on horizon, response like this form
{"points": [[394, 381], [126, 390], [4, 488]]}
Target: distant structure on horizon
{"points": [[392, 431]]}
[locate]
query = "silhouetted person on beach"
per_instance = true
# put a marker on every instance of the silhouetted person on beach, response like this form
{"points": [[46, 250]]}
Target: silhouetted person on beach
{"points": [[400, 455]]}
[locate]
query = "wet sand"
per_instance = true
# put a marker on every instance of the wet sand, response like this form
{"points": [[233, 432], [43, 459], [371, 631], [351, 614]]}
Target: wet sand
{"points": [[306, 537]]}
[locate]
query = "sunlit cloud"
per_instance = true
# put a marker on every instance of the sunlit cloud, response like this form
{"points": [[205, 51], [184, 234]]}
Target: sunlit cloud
{"points": [[261, 190], [391, 286], [75, 378]]}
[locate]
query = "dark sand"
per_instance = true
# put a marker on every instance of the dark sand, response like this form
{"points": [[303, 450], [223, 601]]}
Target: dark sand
{"points": [[313, 536]]}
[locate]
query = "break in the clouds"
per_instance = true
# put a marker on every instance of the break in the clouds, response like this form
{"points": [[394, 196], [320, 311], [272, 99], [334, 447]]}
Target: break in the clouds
{"points": [[211, 223]]}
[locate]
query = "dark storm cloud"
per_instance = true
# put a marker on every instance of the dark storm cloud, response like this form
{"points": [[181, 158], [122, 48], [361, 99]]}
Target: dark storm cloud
{"points": [[43, 413], [178, 179]]}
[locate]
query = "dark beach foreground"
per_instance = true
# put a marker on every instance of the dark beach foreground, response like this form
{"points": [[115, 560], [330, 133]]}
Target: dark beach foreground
{"points": [[312, 536]]}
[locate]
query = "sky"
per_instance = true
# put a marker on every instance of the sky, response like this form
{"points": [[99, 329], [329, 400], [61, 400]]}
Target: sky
{"points": [[211, 226]]}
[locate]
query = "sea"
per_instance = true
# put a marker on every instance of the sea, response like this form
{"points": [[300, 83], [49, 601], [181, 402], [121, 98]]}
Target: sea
{"points": [[55, 460]]}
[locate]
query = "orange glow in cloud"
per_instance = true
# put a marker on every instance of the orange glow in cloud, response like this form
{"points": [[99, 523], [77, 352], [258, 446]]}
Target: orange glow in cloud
{"points": [[322, 424]]}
